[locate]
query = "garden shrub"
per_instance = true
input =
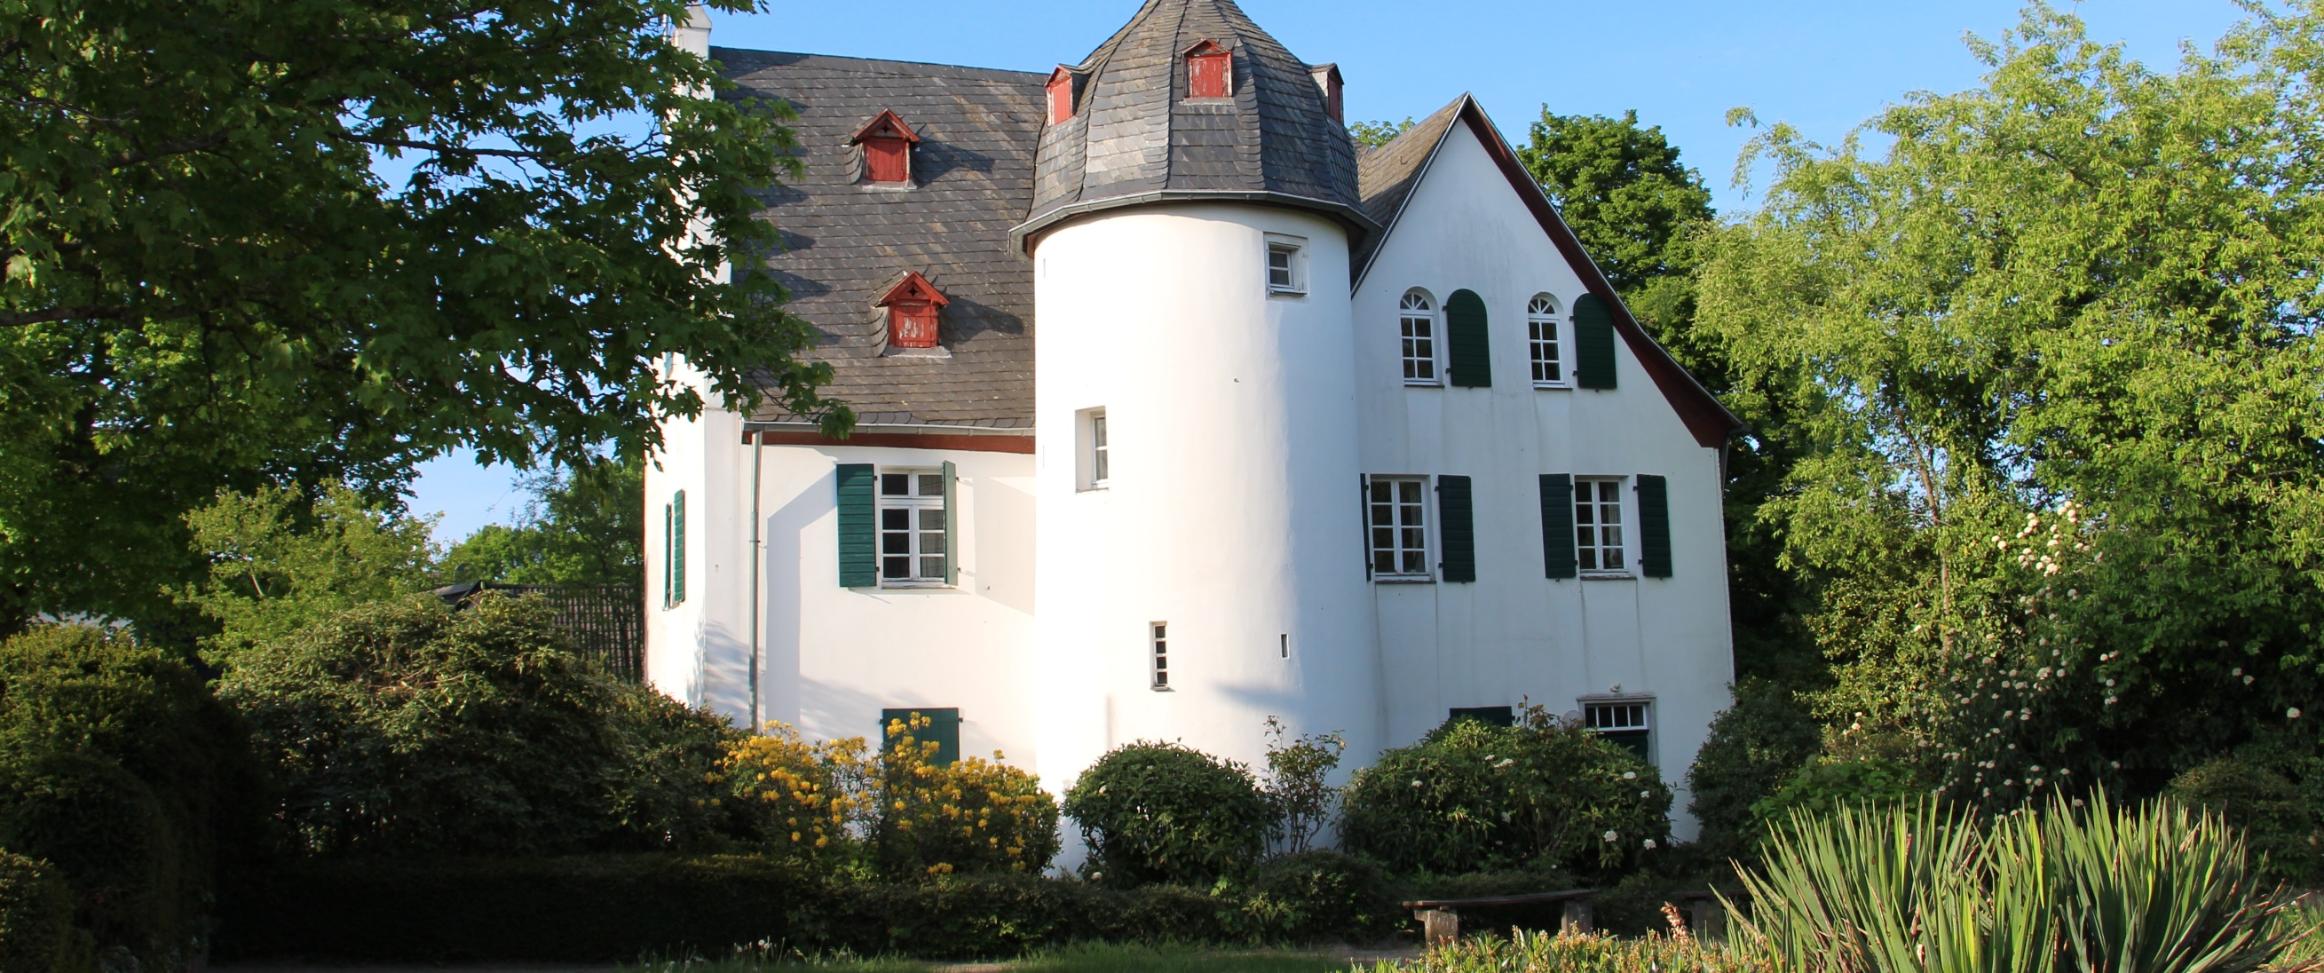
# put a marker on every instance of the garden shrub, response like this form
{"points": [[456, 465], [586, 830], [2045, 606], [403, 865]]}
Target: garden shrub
{"points": [[1913, 886], [36, 920], [1753, 748], [666, 791], [1319, 895], [119, 770], [1298, 787], [413, 728], [2282, 826], [1160, 812], [1830, 783], [1545, 794], [1597, 954]]}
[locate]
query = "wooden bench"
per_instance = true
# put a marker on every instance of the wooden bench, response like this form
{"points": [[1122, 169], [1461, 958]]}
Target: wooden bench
{"points": [[1440, 919]]}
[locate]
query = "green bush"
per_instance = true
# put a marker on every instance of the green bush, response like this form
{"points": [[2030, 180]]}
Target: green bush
{"points": [[1471, 797], [1754, 746], [409, 728], [1831, 783], [1542, 951], [118, 769], [36, 920], [664, 787], [2277, 819], [1159, 812], [1317, 896], [609, 909], [2057, 887]]}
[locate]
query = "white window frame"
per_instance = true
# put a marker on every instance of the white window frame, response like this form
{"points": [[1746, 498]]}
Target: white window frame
{"points": [[1629, 714], [1548, 326], [1093, 450], [915, 504], [1294, 251], [1400, 528], [1158, 655], [1589, 527], [1431, 316]]}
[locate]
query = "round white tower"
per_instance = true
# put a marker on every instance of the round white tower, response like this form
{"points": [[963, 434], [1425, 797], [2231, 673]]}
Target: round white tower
{"points": [[1198, 469]]}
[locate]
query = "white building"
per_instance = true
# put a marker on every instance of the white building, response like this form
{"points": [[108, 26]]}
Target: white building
{"points": [[1357, 440]]}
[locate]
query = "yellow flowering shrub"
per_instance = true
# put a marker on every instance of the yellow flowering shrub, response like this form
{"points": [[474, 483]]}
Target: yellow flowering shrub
{"points": [[840, 803]]}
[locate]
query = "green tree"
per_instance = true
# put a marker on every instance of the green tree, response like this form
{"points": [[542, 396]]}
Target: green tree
{"points": [[278, 563], [2053, 353], [1373, 135], [584, 526], [207, 283]]}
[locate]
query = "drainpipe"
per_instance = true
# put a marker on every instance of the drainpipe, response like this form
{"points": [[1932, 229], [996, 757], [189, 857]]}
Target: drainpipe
{"points": [[758, 452]]}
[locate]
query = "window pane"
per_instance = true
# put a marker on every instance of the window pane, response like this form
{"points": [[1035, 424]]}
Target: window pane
{"points": [[932, 484], [896, 518], [1383, 538], [895, 484], [1384, 561], [932, 518], [1588, 556], [1414, 563], [895, 543], [1586, 513], [932, 569], [1409, 491], [1382, 491], [896, 568]]}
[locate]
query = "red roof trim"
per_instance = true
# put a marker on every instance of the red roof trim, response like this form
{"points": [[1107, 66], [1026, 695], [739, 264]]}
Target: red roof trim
{"points": [[1203, 47], [894, 125], [913, 289], [1710, 422]]}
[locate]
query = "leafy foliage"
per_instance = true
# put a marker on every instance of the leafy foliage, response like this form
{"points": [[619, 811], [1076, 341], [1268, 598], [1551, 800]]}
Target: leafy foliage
{"points": [[1160, 812], [1315, 896], [1754, 746], [411, 728], [1584, 954], [2282, 825], [1828, 784], [2087, 286], [1297, 784], [838, 805], [36, 920], [278, 564], [1372, 135], [233, 297], [584, 526], [2106, 888], [1473, 797]]}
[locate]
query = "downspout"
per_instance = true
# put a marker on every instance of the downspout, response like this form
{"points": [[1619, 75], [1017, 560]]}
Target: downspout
{"points": [[758, 452]]}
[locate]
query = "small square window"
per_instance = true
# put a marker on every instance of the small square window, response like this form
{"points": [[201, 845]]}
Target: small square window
{"points": [[1286, 266], [1628, 723], [1159, 636]]}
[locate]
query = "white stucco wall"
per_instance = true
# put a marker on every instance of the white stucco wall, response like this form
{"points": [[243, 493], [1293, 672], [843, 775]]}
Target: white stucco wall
{"points": [[688, 644], [1230, 512], [1515, 635]]}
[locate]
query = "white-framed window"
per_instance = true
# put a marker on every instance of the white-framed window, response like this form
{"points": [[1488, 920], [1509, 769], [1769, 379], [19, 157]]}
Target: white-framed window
{"points": [[1544, 332], [1158, 635], [1094, 465], [1396, 508], [1416, 323], [1625, 721], [1286, 266], [912, 528], [1601, 535]]}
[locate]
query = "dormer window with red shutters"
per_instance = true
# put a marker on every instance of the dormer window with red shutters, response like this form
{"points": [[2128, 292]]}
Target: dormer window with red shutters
{"points": [[1210, 71], [887, 150], [914, 309], [1061, 96]]}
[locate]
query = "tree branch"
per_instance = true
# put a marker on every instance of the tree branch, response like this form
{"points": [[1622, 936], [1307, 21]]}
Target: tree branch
{"points": [[443, 149], [56, 314]]}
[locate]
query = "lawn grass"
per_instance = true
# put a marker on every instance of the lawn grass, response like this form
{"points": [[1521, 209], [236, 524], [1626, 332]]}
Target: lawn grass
{"points": [[1071, 959]]}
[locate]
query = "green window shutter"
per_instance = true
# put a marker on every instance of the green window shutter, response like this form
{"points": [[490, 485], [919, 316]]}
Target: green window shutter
{"points": [[1472, 343], [1456, 508], [678, 549], [951, 524], [944, 731], [1593, 343], [858, 533], [1557, 527], [669, 547], [1364, 513], [1654, 526]]}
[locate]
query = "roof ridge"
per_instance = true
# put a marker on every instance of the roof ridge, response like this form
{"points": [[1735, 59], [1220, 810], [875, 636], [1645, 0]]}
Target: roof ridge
{"points": [[1012, 73]]}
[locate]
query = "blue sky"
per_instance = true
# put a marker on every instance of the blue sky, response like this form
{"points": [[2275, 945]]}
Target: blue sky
{"points": [[1823, 65]]}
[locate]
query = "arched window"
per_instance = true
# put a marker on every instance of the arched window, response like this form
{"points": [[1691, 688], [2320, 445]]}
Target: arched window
{"points": [[1544, 332], [1417, 322]]}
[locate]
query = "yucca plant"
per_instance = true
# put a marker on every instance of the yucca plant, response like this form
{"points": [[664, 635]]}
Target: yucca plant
{"points": [[1885, 890]]}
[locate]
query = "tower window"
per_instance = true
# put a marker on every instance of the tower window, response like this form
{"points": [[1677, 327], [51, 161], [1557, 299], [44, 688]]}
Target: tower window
{"points": [[887, 150], [1159, 634], [915, 308], [1094, 467], [1286, 266], [1210, 71]]}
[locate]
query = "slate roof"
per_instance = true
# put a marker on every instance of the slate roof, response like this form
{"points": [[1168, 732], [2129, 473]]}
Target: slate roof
{"points": [[844, 244], [1135, 138]]}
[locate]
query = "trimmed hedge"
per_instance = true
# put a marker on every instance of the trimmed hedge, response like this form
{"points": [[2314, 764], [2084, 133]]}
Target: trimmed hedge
{"points": [[607, 909]]}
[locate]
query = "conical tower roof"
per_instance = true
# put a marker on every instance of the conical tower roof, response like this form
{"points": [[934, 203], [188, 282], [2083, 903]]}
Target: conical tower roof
{"points": [[1136, 137]]}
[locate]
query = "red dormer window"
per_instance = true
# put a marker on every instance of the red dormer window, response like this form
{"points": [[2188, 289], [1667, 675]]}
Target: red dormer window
{"points": [[914, 308], [887, 150], [1061, 96], [1210, 71]]}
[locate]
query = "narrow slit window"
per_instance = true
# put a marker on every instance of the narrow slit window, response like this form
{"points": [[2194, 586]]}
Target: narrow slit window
{"points": [[1159, 635]]}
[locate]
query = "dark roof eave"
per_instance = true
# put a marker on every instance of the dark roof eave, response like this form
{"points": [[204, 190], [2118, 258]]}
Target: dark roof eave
{"points": [[1354, 219]]}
